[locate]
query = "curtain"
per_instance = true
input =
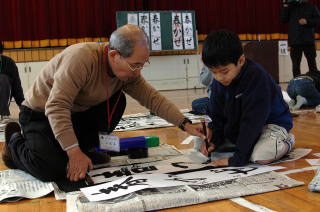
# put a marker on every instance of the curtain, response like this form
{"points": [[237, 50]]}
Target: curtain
{"points": [[42, 23]]}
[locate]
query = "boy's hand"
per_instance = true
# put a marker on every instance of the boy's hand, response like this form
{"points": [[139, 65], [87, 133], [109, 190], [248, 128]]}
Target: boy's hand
{"points": [[221, 162], [204, 150]]}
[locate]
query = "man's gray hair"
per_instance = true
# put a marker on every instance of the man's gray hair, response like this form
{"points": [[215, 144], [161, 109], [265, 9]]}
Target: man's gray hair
{"points": [[124, 41]]}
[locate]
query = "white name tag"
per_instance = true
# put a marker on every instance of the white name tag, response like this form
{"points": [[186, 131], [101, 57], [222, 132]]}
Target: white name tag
{"points": [[109, 142]]}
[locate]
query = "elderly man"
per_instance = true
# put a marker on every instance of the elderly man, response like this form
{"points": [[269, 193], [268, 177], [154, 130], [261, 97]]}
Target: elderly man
{"points": [[77, 95]]}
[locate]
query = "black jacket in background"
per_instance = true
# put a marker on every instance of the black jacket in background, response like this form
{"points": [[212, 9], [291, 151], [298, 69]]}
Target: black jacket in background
{"points": [[300, 34], [9, 68]]}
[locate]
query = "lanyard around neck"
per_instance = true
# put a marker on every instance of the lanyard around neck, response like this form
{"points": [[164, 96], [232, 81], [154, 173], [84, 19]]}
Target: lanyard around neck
{"points": [[110, 114]]}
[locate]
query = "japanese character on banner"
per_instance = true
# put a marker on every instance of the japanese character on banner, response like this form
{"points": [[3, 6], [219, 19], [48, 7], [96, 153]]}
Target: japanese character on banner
{"points": [[177, 31]]}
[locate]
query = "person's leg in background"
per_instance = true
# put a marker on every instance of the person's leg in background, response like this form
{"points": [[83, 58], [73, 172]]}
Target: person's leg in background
{"points": [[5, 96], [291, 90], [296, 55], [199, 106], [311, 54], [307, 89]]}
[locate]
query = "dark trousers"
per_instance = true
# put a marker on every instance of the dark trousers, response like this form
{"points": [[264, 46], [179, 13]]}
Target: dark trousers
{"points": [[5, 95], [309, 51], [39, 153], [306, 88]]}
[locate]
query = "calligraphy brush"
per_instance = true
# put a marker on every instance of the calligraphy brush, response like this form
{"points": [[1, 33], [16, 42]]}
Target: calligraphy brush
{"points": [[204, 129], [88, 179]]}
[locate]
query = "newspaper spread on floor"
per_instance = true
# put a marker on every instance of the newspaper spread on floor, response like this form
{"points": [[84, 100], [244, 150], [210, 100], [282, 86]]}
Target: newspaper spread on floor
{"points": [[2, 125], [140, 121], [166, 174], [160, 198], [16, 185], [166, 197]]}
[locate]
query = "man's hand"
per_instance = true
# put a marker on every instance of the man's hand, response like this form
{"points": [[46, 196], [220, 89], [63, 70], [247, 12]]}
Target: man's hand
{"points": [[195, 130], [221, 162], [285, 3], [303, 21], [78, 164]]}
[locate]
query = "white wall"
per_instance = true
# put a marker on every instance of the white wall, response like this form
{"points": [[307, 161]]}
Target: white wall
{"points": [[285, 66]]}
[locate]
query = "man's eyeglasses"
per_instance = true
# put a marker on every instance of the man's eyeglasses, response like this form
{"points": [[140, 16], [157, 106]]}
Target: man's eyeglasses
{"points": [[134, 68]]}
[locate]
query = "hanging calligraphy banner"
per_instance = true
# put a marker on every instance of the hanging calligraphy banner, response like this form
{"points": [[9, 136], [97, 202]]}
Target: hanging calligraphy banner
{"points": [[155, 31], [187, 31]]}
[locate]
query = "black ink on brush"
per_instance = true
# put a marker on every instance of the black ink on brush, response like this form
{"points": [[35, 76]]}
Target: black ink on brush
{"points": [[204, 128], [88, 179]]}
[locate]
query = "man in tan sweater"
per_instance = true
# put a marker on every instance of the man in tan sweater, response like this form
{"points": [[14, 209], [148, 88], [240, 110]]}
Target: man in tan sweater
{"points": [[78, 94]]}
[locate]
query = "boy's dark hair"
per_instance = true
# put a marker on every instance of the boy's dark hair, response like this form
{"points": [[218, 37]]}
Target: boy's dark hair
{"points": [[1, 47], [221, 48]]}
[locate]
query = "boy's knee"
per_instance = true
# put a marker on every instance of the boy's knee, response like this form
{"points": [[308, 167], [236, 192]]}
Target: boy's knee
{"points": [[271, 145]]}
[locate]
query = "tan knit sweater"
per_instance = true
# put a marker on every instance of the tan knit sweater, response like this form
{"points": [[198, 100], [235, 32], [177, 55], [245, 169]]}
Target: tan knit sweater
{"points": [[75, 80]]}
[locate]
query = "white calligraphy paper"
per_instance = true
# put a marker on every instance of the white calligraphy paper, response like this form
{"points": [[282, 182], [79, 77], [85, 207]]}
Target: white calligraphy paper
{"points": [[187, 31], [187, 176], [177, 38], [317, 154], [155, 31], [313, 162], [132, 18], [127, 185]]}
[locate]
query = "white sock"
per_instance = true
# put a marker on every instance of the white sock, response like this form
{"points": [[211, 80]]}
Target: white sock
{"points": [[300, 101], [291, 103]]}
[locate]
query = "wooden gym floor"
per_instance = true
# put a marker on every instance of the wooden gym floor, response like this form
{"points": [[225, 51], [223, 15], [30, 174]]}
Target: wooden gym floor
{"points": [[306, 130]]}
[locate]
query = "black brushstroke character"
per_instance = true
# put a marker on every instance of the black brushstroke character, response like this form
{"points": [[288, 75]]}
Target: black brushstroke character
{"points": [[124, 185], [236, 170], [155, 41], [155, 28], [138, 169], [155, 19], [144, 19], [177, 41], [178, 164], [118, 173], [176, 20], [189, 41], [187, 20], [177, 32]]}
